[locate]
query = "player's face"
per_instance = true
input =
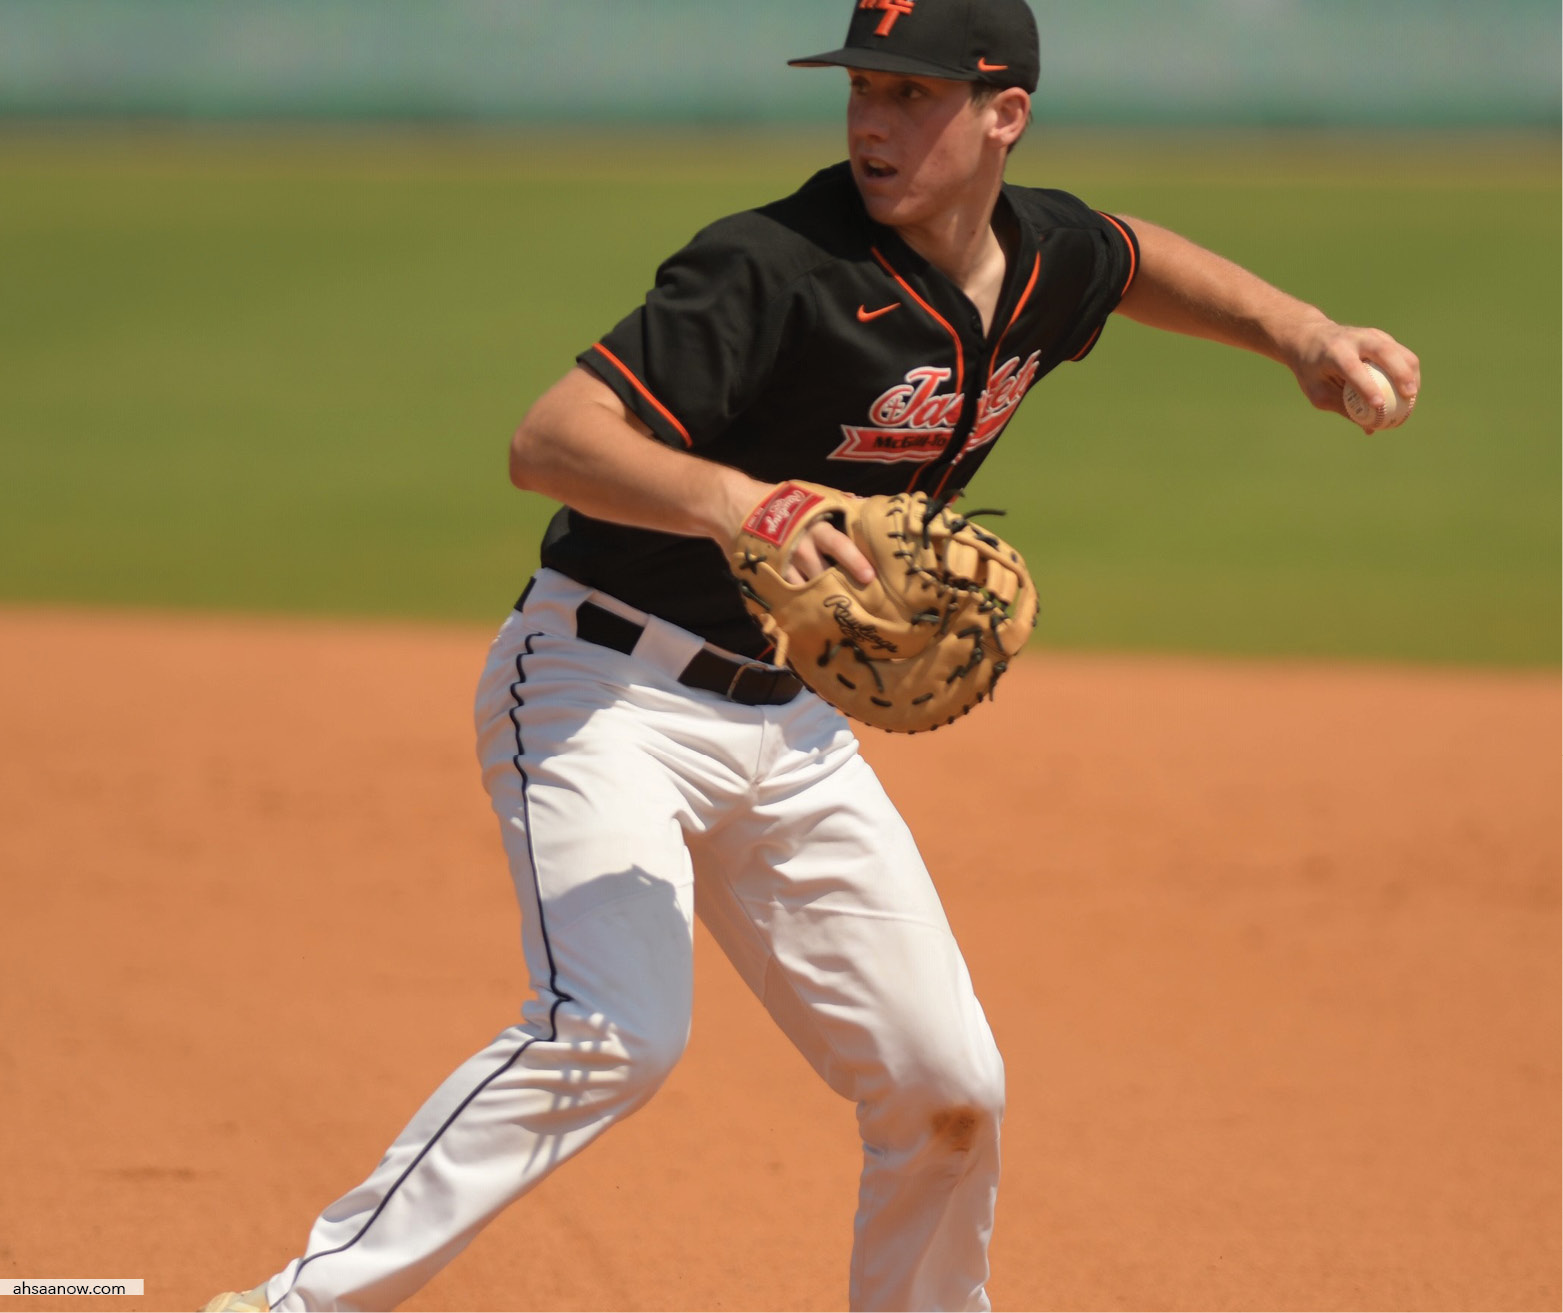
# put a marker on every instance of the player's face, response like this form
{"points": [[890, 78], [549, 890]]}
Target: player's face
{"points": [[917, 144]]}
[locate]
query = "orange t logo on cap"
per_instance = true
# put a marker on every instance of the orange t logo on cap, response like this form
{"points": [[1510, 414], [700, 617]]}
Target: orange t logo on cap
{"points": [[893, 9]]}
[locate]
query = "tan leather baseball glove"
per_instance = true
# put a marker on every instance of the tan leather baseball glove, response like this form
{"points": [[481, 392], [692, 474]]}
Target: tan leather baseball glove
{"points": [[922, 644]]}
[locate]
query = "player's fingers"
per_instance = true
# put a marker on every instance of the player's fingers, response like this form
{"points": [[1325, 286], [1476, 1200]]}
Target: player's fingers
{"points": [[821, 547], [805, 562], [1329, 395], [1402, 366], [1384, 376], [1355, 371], [834, 545], [1324, 394]]}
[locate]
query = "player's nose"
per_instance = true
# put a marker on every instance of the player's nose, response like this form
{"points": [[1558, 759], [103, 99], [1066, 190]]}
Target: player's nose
{"points": [[865, 122]]}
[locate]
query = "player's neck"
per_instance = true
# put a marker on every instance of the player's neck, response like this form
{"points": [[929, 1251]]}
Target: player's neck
{"points": [[962, 245]]}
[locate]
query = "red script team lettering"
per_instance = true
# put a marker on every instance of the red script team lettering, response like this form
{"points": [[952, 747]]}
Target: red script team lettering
{"points": [[914, 420]]}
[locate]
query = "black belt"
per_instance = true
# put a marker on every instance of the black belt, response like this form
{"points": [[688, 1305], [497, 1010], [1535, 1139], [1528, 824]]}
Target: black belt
{"points": [[749, 682]]}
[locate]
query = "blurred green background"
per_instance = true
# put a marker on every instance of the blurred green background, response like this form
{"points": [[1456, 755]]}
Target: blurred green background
{"points": [[275, 369]]}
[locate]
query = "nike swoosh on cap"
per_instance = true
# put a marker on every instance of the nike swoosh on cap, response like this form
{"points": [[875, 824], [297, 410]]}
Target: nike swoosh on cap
{"points": [[864, 314], [984, 67]]}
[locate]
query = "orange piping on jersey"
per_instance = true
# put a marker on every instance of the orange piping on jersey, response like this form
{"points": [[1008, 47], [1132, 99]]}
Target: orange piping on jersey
{"points": [[1036, 270], [1134, 268], [1020, 305], [1089, 344], [948, 470], [645, 392], [1134, 264], [960, 356]]}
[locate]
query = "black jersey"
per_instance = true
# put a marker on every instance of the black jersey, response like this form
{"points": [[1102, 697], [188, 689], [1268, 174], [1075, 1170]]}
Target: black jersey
{"points": [[802, 340]]}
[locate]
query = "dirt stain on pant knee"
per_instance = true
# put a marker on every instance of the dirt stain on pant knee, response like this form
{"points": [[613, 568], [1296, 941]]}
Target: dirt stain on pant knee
{"points": [[957, 1127]]}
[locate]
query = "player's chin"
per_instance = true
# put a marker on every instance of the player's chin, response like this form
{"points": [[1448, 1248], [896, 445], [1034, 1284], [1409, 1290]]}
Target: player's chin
{"points": [[886, 201]]}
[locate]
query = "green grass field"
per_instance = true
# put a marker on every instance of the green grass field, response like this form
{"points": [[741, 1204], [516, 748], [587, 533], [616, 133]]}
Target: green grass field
{"points": [[260, 373]]}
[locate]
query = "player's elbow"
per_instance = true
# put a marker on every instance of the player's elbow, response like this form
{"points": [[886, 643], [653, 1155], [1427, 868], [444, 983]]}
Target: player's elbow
{"points": [[547, 430], [524, 443]]}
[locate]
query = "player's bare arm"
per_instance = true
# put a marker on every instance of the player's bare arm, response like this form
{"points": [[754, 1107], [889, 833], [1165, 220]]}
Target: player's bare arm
{"points": [[1184, 288], [579, 445]]}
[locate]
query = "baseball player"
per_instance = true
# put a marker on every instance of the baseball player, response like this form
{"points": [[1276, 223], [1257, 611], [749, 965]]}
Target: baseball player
{"points": [[874, 332]]}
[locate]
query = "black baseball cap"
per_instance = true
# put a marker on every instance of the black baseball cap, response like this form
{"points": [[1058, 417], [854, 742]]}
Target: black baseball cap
{"points": [[993, 41]]}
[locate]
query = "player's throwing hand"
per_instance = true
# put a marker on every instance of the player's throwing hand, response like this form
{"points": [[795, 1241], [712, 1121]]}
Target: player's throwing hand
{"points": [[1330, 356]]}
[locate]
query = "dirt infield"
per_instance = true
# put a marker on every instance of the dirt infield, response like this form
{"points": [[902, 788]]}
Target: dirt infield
{"points": [[1272, 952]]}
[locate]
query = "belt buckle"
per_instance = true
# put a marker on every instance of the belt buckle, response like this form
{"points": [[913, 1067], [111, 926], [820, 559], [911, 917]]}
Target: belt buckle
{"points": [[732, 684]]}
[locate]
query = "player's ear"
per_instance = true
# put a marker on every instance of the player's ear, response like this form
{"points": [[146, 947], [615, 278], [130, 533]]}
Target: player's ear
{"points": [[1011, 113]]}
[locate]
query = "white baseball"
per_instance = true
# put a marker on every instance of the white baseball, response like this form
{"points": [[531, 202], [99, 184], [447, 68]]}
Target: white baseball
{"points": [[1393, 412]]}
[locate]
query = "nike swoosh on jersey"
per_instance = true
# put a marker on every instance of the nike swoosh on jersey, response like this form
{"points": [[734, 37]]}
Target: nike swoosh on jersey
{"points": [[984, 67], [865, 315]]}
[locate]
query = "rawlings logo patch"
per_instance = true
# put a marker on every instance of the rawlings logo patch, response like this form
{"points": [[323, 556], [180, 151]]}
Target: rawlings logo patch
{"points": [[853, 629], [775, 517]]}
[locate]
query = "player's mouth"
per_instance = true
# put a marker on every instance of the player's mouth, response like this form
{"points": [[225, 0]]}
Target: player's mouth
{"points": [[875, 170]]}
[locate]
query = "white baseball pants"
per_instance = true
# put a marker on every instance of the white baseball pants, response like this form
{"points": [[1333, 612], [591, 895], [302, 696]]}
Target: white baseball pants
{"points": [[628, 804]]}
